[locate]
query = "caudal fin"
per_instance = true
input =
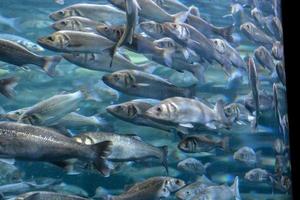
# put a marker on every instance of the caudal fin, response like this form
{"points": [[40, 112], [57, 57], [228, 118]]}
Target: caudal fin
{"points": [[7, 86], [167, 55], [15, 24], [226, 32], [235, 188], [164, 157], [50, 64], [181, 17], [102, 150]]}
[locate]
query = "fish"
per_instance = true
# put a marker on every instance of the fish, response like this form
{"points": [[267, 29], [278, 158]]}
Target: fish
{"points": [[46, 195], [282, 164], [247, 155], [13, 53], [193, 166], [76, 23], [175, 6], [7, 86], [258, 175], [28, 44], [60, 2], [256, 35], [100, 13], [277, 50], [150, 10], [188, 113], [279, 146], [75, 41], [276, 28], [253, 82], [132, 11], [190, 191], [280, 70], [33, 143], [125, 148], [68, 189], [101, 62], [203, 143], [13, 23], [261, 20], [264, 57], [223, 47], [133, 112], [220, 192], [138, 83], [238, 13], [51, 110]]}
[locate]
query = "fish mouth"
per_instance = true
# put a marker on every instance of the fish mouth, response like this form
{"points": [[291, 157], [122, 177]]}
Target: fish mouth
{"points": [[105, 79], [53, 16]]}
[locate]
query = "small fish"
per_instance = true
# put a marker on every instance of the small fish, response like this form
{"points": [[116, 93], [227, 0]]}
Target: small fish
{"points": [[247, 155], [264, 57], [253, 81], [280, 70], [189, 113], [76, 23], [132, 10], [193, 166], [279, 146], [31, 46], [258, 175], [125, 148], [256, 35], [33, 143], [220, 192], [282, 164], [75, 41], [137, 83], [18, 55], [51, 110], [100, 13], [68, 189], [39, 195], [7, 86], [203, 143], [14, 23]]}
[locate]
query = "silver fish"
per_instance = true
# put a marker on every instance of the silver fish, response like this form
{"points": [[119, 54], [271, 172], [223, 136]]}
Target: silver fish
{"points": [[193, 166], [247, 155], [40, 195], [7, 86], [277, 51], [264, 57], [13, 53], [258, 175]]}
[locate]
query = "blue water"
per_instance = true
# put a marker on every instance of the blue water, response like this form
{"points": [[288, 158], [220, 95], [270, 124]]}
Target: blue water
{"points": [[34, 86]]}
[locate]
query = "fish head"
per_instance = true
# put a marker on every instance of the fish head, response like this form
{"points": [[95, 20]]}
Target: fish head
{"points": [[111, 32], [252, 175], [260, 53], [232, 112], [245, 154], [256, 13], [152, 28], [176, 30], [174, 184], [67, 24], [247, 28], [188, 144], [124, 111], [56, 41], [163, 112], [31, 118], [165, 43], [219, 45], [13, 115], [185, 193], [60, 14], [120, 79], [163, 192]]}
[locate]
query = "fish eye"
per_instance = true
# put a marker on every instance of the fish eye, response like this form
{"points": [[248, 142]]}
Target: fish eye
{"points": [[60, 13], [116, 77], [106, 28], [63, 23], [188, 192], [158, 109], [177, 182], [50, 38], [165, 190]]}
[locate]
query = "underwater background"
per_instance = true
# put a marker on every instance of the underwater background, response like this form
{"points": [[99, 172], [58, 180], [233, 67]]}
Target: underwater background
{"points": [[32, 22]]}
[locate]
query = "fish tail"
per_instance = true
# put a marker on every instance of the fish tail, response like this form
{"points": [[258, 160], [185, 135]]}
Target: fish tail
{"points": [[235, 188], [167, 54], [112, 54], [7, 86], [198, 72], [102, 150], [50, 64], [181, 17], [226, 32], [15, 24], [164, 157]]}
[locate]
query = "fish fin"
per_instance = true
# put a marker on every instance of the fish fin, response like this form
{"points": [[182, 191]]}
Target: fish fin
{"points": [[228, 15], [50, 64], [225, 144], [112, 54], [7, 86], [219, 110], [143, 84], [198, 72], [15, 24], [181, 17], [67, 165], [211, 125], [2, 196], [8, 161], [164, 157], [187, 125], [235, 188], [167, 54], [226, 32], [102, 150], [194, 11], [207, 165]]}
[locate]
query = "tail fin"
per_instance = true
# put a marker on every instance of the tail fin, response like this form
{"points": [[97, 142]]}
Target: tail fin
{"points": [[7, 86], [194, 11], [235, 188], [50, 64], [198, 72], [167, 55], [164, 157], [181, 17], [102, 150], [226, 32], [15, 24], [225, 144]]}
